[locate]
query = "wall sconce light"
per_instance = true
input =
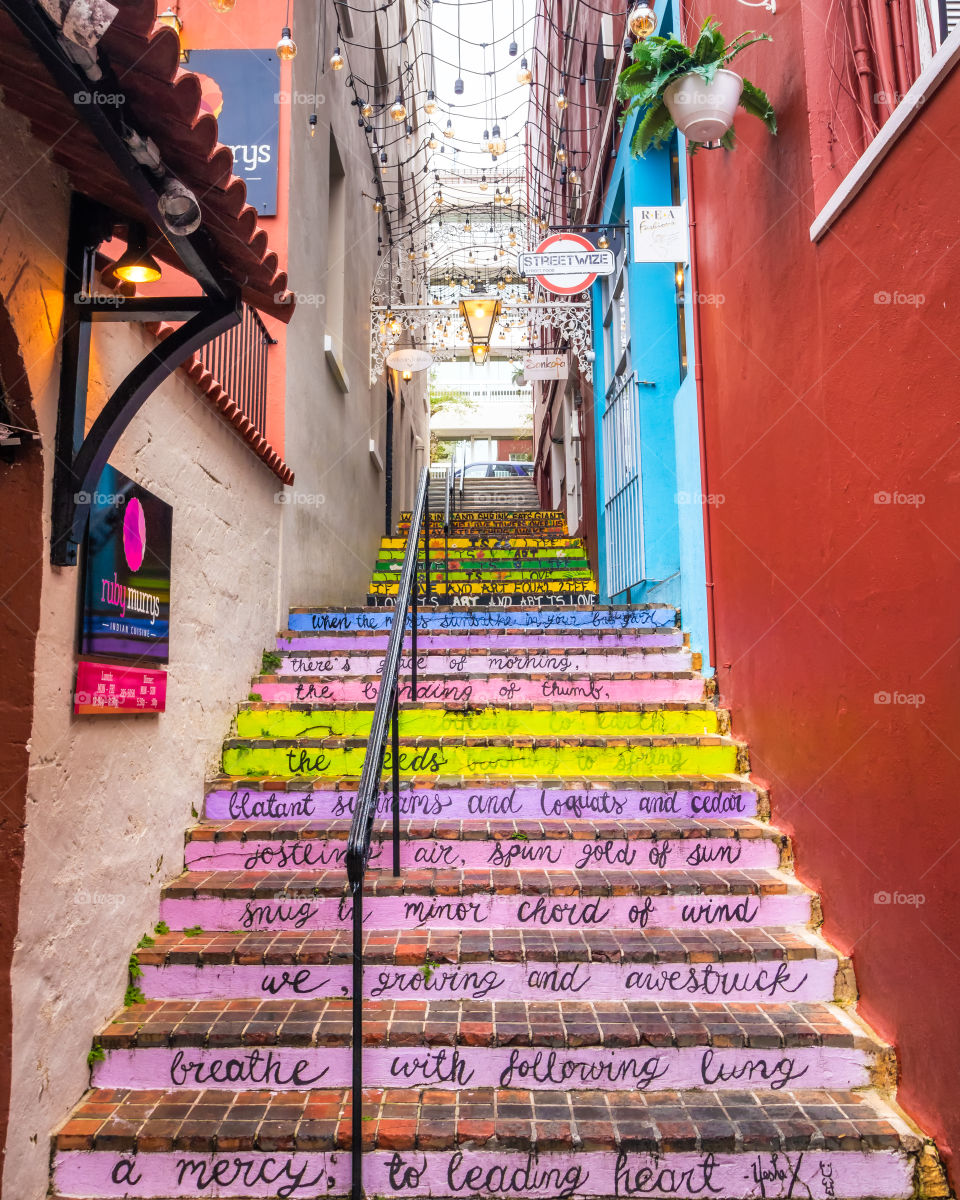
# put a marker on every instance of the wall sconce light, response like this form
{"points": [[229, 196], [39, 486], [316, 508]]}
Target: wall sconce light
{"points": [[136, 264]]}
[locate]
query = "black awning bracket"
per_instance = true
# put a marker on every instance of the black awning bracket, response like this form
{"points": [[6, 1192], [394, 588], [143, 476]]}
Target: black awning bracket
{"points": [[80, 458]]}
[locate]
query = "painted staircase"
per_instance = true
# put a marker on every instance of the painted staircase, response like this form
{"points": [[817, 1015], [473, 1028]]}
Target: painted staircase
{"points": [[596, 976]]}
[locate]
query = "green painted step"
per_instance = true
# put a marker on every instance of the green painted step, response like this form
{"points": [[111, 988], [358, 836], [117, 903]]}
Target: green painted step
{"points": [[461, 576], [504, 587], [711, 757], [555, 545], [259, 720]]}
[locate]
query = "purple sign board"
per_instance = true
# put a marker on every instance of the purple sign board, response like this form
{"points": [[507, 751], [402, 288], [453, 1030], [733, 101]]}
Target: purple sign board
{"points": [[126, 589]]}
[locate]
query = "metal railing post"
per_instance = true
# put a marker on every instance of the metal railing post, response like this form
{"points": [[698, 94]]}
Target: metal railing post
{"points": [[426, 555], [413, 637], [356, 1098], [395, 764], [369, 793]]}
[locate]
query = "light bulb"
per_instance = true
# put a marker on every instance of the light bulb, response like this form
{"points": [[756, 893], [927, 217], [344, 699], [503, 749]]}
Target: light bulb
{"points": [[642, 21], [411, 254], [524, 75], [398, 110], [467, 226], [574, 176], [222, 6], [562, 100], [367, 110], [286, 47], [430, 104], [406, 376], [561, 154], [336, 60], [500, 284], [448, 132], [603, 242], [439, 199], [377, 206], [433, 143], [312, 123], [483, 183]]}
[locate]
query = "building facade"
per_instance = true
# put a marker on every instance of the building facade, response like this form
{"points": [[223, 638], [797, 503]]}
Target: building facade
{"points": [[763, 378], [271, 450]]}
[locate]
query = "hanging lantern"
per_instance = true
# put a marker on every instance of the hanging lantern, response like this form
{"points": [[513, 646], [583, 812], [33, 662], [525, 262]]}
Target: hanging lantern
{"points": [[286, 47]]}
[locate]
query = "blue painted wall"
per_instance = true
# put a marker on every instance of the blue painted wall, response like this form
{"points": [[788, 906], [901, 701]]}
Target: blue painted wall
{"points": [[669, 433]]}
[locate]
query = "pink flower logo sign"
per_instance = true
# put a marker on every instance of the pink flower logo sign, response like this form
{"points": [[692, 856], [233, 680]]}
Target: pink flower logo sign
{"points": [[134, 534]]}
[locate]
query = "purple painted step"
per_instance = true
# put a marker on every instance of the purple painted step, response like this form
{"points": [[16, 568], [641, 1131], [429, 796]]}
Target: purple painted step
{"points": [[640, 617], [250, 803], [495, 641]]}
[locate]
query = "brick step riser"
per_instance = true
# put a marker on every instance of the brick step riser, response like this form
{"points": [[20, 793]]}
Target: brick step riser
{"points": [[814, 1175], [810, 980], [564, 762], [254, 720], [462, 804], [296, 1068], [273, 909], [437, 686], [664, 854], [530, 619]]}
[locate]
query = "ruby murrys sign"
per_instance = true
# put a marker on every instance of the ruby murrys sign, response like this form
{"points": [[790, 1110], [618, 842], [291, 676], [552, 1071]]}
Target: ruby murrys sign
{"points": [[126, 592]]}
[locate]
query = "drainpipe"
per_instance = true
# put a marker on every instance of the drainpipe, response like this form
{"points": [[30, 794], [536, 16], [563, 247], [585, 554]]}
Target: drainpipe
{"points": [[701, 423]]}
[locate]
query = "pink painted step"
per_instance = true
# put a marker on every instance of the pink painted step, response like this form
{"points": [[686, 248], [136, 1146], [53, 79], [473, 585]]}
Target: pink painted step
{"points": [[294, 1068], [814, 1174], [561, 663], [494, 640], [249, 800], [503, 689], [259, 852]]}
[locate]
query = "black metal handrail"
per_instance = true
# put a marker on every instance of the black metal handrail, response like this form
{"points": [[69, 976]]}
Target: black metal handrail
{"points": [[387, 708]]}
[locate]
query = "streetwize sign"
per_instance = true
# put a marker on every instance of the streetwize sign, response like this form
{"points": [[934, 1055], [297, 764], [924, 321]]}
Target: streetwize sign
{"points": [[566, 263]]}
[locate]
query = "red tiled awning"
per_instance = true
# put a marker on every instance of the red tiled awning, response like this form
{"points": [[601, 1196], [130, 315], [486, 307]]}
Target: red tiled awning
{"points": [[161, 101]]}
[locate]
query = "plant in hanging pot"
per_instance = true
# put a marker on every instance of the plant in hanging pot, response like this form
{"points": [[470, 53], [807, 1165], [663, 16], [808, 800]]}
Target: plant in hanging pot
{"points": [[689, 88]]}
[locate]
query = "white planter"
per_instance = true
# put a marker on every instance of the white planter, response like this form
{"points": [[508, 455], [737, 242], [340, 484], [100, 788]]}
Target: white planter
{"points": [[703, 112]]}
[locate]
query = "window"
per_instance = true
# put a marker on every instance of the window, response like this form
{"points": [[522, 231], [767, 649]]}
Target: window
{"points": [[336, 239], [616, 320]]}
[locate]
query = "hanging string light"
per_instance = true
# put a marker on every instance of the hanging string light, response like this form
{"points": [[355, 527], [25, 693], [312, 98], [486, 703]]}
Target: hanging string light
{"points": [[398, 110], [642, 21], [524, 75], [223, 6], [336, 60], [286, 47]]}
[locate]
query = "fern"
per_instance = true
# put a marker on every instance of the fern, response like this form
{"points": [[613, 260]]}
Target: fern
{"points": [[97, 1054], [193, 931], [658, 62], [161, 928], [133, 995], [136, 971]]}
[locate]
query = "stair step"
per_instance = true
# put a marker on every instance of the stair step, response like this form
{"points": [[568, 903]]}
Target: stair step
{"points": [[503, 587], [493, 1142], [259, 720], [507, 618], [664, 687], [514, 897], [695, 966], [491, 640], [235, 1045], [643, 845], [519, 757], [574, 798]]}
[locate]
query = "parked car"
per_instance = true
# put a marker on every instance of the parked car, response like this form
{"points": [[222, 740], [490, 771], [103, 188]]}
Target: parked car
{"points": [[495, 470]]}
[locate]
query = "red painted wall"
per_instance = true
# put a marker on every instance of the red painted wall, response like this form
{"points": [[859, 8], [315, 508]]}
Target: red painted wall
{"points": [[833, 432]]}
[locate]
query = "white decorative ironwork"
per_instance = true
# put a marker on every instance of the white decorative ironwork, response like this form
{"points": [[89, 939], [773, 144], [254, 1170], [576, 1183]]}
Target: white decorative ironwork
{"points": [[440, 329]]}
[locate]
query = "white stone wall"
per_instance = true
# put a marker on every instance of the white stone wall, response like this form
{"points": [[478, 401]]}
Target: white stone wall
{"points": [[109, 798]]}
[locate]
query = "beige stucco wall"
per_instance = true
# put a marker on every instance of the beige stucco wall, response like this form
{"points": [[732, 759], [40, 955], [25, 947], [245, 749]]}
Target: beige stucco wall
{"points": [[329, 545], [109, 798]]}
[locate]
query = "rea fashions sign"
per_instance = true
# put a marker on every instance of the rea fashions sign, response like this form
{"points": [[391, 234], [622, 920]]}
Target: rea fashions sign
{"points": [[566, 263]]}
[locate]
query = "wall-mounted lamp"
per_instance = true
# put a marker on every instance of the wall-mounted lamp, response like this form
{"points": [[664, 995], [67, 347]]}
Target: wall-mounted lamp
{"points": [[170, 19], [136, 264]]}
